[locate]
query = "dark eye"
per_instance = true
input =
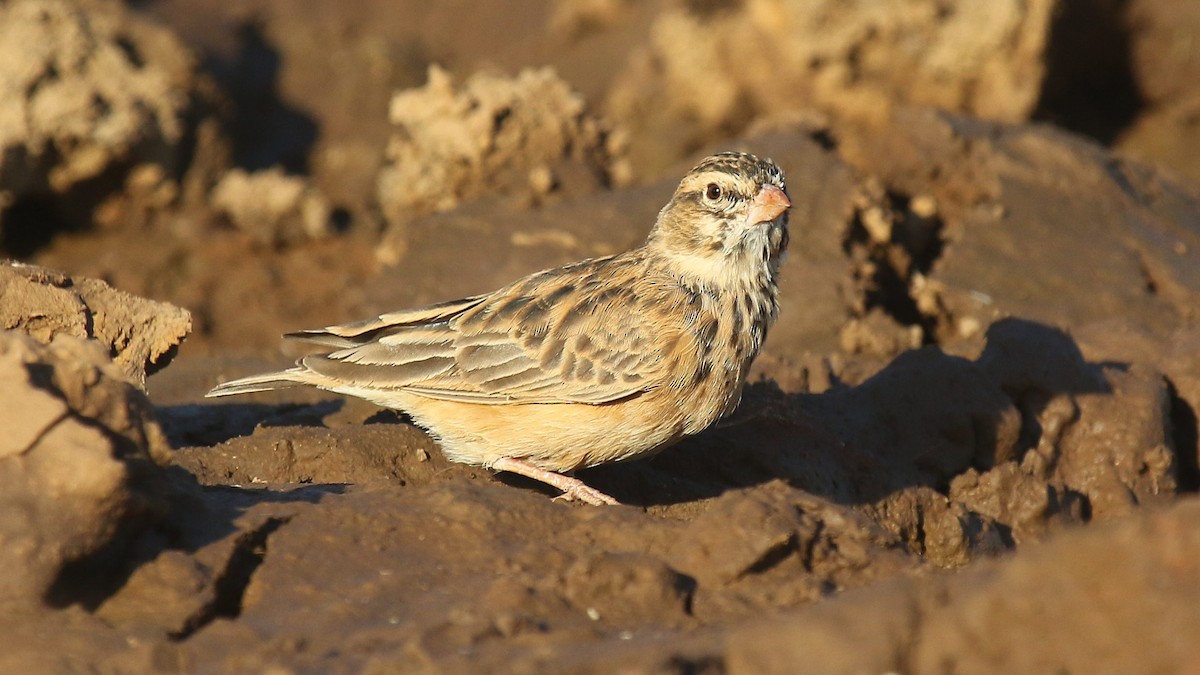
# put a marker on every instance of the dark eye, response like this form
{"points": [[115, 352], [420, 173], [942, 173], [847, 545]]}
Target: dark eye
{"points": [[713, 192]]}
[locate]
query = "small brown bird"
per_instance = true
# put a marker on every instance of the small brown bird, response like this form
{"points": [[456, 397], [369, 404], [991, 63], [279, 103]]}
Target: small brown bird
{"points": [[599, 361]]}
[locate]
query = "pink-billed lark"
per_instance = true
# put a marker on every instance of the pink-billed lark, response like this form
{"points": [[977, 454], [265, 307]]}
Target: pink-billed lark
{"points": [[598, 361]]}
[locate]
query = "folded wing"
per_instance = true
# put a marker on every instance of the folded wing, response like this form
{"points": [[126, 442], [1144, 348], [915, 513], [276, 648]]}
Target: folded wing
{"points": [[567, 335]]}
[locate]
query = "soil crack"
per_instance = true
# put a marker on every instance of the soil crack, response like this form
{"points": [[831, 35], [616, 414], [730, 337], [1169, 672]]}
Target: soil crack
{"points": [[249, 552], [1184, 427]]}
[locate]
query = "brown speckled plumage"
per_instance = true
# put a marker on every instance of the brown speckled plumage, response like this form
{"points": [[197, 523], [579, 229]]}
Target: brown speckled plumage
{"points": [[597, 361]]}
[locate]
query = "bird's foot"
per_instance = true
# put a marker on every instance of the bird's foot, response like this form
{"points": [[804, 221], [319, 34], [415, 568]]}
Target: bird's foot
{"points": [[572, 488], [586, 494]]}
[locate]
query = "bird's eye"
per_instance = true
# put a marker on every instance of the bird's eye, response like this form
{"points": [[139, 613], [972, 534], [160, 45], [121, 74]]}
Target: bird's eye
{"points": [[713, 192]]}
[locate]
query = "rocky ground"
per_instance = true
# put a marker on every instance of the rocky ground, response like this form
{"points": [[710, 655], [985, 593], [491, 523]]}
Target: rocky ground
{"points": [[971, 444]]}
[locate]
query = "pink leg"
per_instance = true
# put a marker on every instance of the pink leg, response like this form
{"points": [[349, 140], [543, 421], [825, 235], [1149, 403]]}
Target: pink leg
{"points": [[572, 488]]}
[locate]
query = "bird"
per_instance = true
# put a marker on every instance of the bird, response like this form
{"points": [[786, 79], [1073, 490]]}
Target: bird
{"points": [[604, 360]]}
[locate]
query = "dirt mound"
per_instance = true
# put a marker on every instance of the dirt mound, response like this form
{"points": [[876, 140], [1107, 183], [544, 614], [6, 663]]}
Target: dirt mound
{"points": [[140, 335], [91, 97], [272, 207], [1061, 608], [1165, 62], [525, 136], [709, 67], [80, 468], [996, 189]]}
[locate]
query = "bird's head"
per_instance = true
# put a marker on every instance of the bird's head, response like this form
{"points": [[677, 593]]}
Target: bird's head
{"points": [[729, 211]]}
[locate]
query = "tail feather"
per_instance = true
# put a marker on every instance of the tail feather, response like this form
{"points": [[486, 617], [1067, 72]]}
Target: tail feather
{"points": [[265, 382]]}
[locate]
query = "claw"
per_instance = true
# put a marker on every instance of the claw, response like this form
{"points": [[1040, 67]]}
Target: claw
{"points": [[588, 495]]}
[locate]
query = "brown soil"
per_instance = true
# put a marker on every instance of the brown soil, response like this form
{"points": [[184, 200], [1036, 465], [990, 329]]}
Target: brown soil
{"points": [[971, 445]]}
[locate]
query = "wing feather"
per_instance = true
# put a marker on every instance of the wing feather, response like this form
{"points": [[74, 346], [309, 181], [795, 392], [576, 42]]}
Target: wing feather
{"points": [[585, 333], [376, 375], [357, 332]]}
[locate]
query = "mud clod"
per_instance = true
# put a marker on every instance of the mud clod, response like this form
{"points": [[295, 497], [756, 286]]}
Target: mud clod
{"points": [[81, 468], [526, 136], [140, 335]]}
